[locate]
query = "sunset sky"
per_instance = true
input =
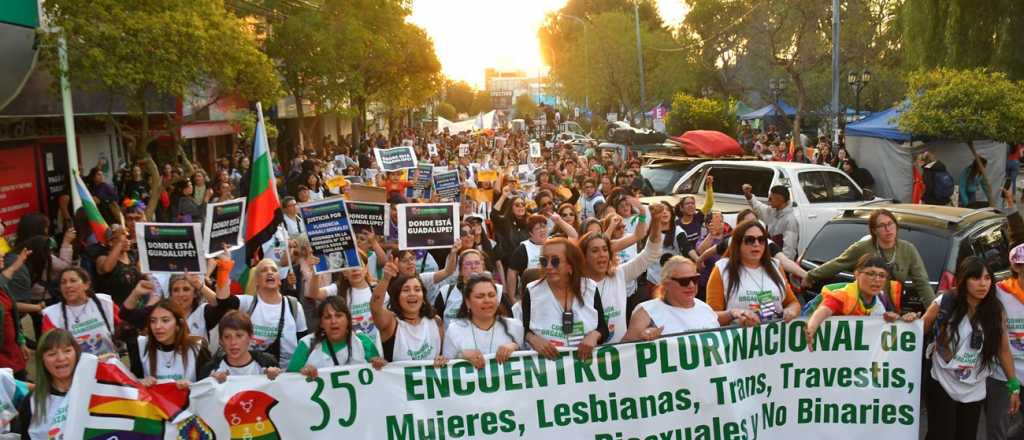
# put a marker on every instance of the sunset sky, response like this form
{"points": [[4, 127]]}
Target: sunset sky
{"points": [[472, 35]]}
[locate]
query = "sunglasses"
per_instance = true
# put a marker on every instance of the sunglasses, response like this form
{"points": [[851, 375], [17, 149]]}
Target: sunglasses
{"points": [[544, 260], [750, 240], [686, 281]]}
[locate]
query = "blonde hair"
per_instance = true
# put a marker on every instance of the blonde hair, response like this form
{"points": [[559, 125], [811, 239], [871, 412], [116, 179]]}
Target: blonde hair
{"points": [[250, 285], [671, 263]]}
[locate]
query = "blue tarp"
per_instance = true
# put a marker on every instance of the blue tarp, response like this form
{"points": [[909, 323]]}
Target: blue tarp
{"points": [[879, 125], [769, 110]]}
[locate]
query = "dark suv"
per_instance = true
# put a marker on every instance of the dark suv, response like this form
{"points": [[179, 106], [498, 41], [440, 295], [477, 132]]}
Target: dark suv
{"points": [[943, 236]]}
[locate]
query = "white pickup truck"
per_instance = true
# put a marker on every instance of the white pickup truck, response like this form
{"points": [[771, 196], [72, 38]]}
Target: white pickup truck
{"points": [[818, 192]]}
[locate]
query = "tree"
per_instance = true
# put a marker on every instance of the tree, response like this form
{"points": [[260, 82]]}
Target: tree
{"points": [[965, 105], [447, 111], [416, 75], [138, 49], [692, 113], [461, 95], [481, 102], [524, 106]]}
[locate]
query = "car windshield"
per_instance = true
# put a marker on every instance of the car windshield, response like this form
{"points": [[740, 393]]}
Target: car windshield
{"points": [[835, 237], [828, 187], [662, 179], [730, 180]]}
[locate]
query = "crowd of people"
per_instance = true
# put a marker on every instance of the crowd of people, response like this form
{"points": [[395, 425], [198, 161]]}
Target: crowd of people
{"points": [[555, 252]]}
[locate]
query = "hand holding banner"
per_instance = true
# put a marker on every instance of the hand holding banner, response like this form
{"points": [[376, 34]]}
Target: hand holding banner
{"points": [[170, 247], [447, 184], [395, 159], [223, 226], [330, 235], [428, 225]]}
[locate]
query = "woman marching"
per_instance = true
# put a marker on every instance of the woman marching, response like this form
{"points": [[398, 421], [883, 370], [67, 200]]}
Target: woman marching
{"points": [[1011, 294], [408, 328], [278, 321], [91, 318], [481, 327], [675, 307], [167, 350], [55, 360], [336, 342], [969, 334]]}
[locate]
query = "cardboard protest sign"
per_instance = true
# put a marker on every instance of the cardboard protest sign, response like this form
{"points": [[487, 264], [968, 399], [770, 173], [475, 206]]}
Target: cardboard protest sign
{"points": [[447, 184], [335, 182], [330, 235], [484, 176], [364, 193], [354, 179], [433, 149], [535, 149], [395, 159], [364, 216], [428, 225], [223, 226], [170, 247]]}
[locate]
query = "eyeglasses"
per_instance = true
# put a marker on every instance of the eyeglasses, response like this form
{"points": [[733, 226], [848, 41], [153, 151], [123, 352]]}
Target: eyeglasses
{"points": [[888, 225], [751, 240], [519, 205], [875, 274], [473, 263], [568, 214], [686, 281], [554, 260]]}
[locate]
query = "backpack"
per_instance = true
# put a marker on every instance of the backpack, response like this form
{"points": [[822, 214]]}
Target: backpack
{"points": [[942, 186]]}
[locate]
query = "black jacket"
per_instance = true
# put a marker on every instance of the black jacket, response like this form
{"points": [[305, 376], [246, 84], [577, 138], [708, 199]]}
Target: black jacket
{"points": [[263, 359], [929, 183]]}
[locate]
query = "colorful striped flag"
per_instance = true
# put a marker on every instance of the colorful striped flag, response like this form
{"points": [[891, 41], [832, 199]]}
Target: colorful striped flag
{"points": [[263, 209], [122, 408], [248, 414], [92, 212]]}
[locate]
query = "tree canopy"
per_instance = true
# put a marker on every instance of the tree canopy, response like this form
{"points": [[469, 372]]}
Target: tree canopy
{"points": [[692, 113]]}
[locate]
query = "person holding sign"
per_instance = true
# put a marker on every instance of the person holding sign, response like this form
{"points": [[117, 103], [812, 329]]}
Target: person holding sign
{"points": [[675, 307], [748, 286], [408, 328], [167, 350], [563, 308], [91, 318], [602, 266], [481, 327], [336, 342]]}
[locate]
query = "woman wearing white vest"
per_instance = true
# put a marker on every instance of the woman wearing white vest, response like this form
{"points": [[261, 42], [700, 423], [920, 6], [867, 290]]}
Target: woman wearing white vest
{"points": [[527, 254], [336, 342], [90, 317], [675, 307], [450, 296], [563, 309], [970, 342], [278, 321], [1011, 294], [408, 328], [602, 267], [480, 327], [166, 350], [747, 286]]}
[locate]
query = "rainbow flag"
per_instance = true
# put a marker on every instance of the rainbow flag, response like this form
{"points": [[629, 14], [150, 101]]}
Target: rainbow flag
{"points": [[92, 212], [248, 414], [129, 411]]}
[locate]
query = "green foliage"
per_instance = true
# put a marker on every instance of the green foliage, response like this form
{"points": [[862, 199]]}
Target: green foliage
{"points": [[447, 111], [481, 102], [138, 48], [247, 122], [965, 105], [524, 106], [692, 113], [461, 95]]}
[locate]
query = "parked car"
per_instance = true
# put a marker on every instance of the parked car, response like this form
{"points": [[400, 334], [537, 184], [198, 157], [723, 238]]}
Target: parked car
{"points": [[817, 192], [664, 170], [579, 142], [663, 147], [943, 235]]}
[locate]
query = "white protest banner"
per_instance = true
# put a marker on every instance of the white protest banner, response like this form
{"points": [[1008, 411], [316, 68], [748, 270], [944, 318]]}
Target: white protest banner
{"points": [[433, 149], [428, 225], [535, 149], [223, 225], [395, 159], [863, 381], [170, 247], [447, 184], [330, 235]]}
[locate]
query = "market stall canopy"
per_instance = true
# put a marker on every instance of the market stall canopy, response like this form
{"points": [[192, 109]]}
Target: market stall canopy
{"points": [[708, 143], [882, 125], [769, 110]]}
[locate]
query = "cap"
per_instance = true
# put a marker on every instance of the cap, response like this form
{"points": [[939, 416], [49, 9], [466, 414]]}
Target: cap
{"points": [[475, 217], [1017, 254]]}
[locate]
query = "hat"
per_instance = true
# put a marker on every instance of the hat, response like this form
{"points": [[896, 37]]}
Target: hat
{"points": [[475, 217], [1017, 254]]}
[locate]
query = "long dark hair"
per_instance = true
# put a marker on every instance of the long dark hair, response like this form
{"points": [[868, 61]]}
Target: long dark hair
{"points": [[613, 258], [339, 305], [39, 262], [988, 313], [735, 262], [467, 290], [183, 341], [575, 261], [31, 225], [395, 292], [670, 230]]}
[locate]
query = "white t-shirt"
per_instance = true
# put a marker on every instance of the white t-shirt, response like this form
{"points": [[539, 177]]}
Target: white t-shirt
{"points": [[265, 320], [251, 369], [756, 291], [1015, 331], [678, 319], [86, 323], [546, 313], [614, 289], [416, 342], [318, 356], [169, 364], [56, 414], [962, 376], [359, 305], [462, 334], [453, 300]]}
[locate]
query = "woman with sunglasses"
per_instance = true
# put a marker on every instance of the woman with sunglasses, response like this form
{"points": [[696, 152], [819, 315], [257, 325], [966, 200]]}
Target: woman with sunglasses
{"points": [[481, 326], [527, 253], [748, 286], [563, 308], [904, 261], [601, 266], [508, 217], [675, 307], [567, 212], [970, 342], [863, 297]]}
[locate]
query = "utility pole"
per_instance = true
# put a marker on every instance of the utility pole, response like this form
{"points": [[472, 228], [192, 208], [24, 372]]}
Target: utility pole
{"points": [[586, 59], [640, 60], [835, 73], [69, 122]]}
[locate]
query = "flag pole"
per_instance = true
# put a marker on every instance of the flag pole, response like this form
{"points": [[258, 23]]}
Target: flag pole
{"points": [[69, 122]]}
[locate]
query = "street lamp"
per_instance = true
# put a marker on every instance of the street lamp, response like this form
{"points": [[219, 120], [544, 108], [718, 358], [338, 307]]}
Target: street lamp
{"points": [[640, 60], [586, 59], [858, 81], [776, 86]]}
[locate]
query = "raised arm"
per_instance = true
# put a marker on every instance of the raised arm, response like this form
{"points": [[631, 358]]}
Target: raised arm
{"points": [[383, 318]]}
